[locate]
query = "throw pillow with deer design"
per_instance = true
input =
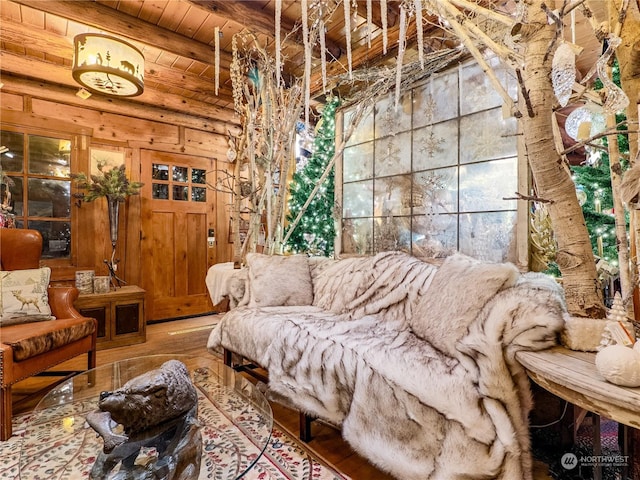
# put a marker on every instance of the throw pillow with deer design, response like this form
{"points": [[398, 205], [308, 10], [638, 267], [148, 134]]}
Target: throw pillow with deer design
{"points": [[24, 296]]}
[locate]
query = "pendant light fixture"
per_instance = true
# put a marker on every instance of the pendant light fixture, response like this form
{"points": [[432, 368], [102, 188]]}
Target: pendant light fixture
{"points": [[109, 65]]}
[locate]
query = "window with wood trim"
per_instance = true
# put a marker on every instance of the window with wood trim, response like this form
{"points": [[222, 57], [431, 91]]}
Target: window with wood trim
{"points": [[36, 186], [179, 183]]}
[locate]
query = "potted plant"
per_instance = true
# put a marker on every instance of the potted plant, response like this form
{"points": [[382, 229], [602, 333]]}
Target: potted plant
{"points": [[114, 185]]}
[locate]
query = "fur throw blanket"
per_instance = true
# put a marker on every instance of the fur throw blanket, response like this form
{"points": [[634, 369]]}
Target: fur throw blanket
{"points": [[424, 393]]}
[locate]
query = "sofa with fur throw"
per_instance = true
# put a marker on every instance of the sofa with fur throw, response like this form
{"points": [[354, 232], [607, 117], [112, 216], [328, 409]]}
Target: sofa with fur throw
{"points": [[415, 363]]}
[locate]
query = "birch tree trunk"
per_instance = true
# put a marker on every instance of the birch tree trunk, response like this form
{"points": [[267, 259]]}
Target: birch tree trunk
{"points": [[628, 55], [622, 240], [553, 177]]}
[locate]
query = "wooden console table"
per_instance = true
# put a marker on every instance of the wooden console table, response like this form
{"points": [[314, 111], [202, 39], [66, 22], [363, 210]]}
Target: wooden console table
{"points": [[120, 315], [573, 376]]}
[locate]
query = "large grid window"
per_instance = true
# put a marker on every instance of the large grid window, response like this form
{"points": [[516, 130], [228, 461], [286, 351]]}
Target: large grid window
{"points": [[430, 177], [36, 187]]}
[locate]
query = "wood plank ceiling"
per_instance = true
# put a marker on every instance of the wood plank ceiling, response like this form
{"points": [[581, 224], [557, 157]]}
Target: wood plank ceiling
{"points": [[177, 40]]}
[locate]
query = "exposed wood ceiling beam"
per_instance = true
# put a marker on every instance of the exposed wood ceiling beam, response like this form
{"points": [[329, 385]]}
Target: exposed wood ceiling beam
{"points": [[105, 18], [67, 95], [28, 67], [43, 41], [376, 15], [259, 21], [361, 56]]}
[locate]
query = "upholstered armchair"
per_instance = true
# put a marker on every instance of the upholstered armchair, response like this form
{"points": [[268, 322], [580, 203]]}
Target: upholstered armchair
{"points": [[31, 342]]}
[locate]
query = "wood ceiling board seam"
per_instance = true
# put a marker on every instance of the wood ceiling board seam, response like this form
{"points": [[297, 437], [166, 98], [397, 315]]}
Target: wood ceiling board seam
{"points": [[75, 28], [238, 12], [55, 24], [14, 48], [196, 68], [229, 29], [151, 54], [261, 21], [130, 8], [167, 58], [173, 15], [99, 16], [51, 58], [11, 11], [35, 38], [191, 22], [109, 3], [151, 11], [31, 16], [182, 63], [31, 52], [205, 32]]}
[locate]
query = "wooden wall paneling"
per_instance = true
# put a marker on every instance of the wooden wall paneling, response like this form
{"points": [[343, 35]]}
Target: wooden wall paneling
{"points": [[84, 214], [33, 121], [111, 131], [93, 234], [128, 227], [182, 240], [212, 206], [61, 74], [147, 276], [109, 126], [224, 249], [216, 145], [10, 101], [164, 238], [171, 148], [66, 95], [133, 252], [197, 258]]}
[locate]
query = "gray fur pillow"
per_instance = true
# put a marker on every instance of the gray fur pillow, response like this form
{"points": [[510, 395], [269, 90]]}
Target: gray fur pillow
{"points": [[460, 289], [279, 280]]}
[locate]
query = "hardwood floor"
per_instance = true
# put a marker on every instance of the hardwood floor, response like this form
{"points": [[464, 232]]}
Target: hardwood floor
{"points": [[189, 336]]}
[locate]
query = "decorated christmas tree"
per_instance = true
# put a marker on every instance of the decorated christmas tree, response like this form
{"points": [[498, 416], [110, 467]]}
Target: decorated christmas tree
{"points": [[593, 182], [594, 187], [315, 232]]}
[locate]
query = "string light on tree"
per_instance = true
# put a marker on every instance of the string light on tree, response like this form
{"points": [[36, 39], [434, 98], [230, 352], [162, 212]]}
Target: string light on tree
{"points": [[315, 232], [594, 179]]}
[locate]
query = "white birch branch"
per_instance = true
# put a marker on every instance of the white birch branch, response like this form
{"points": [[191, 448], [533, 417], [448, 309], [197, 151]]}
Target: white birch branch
{"points": [[468, 43]]}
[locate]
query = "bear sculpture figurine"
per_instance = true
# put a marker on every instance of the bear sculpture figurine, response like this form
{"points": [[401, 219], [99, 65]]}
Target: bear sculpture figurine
{"points": [[157, 413]]}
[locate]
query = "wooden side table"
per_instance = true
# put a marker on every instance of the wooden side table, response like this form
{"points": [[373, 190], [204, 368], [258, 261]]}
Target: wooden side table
{"points": [[120, 315], [573, 376]]}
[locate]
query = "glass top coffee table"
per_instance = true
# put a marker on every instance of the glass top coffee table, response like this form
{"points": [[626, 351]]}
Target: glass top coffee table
{"points": [[234, 418]]}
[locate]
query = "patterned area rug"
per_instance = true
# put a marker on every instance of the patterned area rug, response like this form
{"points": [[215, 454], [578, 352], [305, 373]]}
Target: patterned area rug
{"points": [[608, 436], [283, 459]]}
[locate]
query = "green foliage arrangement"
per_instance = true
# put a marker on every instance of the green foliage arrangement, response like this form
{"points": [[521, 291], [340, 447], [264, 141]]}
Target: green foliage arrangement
{"points": [[111, 183]]}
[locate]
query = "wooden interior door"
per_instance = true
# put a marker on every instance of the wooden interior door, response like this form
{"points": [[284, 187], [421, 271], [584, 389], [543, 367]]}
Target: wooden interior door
{"points": [[177, 212]]}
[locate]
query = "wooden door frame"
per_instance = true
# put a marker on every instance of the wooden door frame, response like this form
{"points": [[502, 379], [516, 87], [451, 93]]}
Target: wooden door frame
{"points": [[146, 280]]}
